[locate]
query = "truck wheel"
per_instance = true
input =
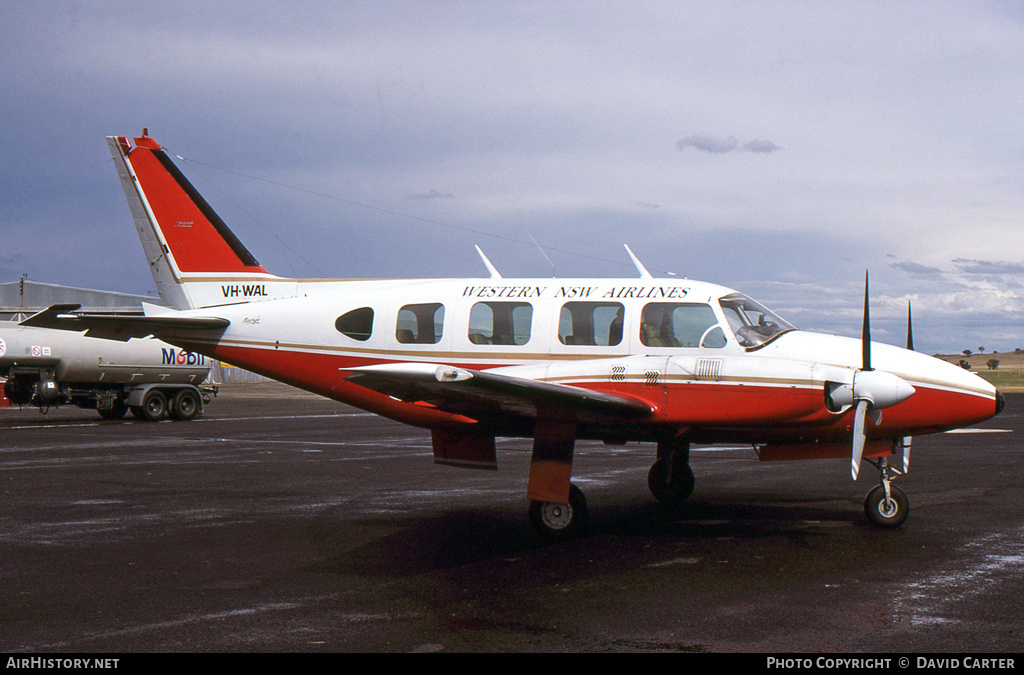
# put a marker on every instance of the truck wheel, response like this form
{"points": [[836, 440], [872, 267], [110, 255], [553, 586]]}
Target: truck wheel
{"points": [[115, 412], [153, 407], [185, 406]]}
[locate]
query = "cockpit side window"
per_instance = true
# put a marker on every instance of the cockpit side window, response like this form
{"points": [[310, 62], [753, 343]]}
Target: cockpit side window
{"points": [[752, 323], [420, 324], [500, 323], [356, 324], [667, 324], [596, 324]]}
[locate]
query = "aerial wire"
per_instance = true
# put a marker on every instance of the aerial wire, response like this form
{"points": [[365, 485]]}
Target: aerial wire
{"points": [[392, 212]]}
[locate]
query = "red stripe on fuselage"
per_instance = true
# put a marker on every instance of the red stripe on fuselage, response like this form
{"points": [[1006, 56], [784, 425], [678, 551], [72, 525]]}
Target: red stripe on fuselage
{"points": [[713, 411]]}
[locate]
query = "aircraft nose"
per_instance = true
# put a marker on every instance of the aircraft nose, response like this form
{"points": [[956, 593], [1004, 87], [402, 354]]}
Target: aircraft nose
{"points": [[1000, 401]]}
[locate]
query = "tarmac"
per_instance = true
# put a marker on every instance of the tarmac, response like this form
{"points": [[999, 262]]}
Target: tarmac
{"points": [[283, 522]]}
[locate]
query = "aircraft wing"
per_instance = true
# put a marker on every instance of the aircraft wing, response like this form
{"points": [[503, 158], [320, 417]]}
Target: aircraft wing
{"points": [[481, 394], [121, 327]]}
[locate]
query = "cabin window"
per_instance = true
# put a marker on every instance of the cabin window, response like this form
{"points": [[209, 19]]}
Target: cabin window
{"points": [[666, 324], [420, 324], [357, 324], [591, 323], [500, 323]]}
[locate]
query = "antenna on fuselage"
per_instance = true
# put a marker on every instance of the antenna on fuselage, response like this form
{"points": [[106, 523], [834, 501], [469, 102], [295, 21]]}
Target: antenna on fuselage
{"points": [[644, 274], [543, 254], [491, 269]]}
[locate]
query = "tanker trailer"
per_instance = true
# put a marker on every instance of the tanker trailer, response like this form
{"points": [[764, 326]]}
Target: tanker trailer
{"points": [[48, 368]]}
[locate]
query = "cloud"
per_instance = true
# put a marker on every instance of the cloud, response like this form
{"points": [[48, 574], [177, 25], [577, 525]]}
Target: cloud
{"points": [[430, 194], [712, 145], [716, 145], [917, 268], [968, 266], [763, 147]]}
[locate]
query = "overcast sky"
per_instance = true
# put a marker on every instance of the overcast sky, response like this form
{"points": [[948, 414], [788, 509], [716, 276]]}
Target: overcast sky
{"points": [[779, 148]]}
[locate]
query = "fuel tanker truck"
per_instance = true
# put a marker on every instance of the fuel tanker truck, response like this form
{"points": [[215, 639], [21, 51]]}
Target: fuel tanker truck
{"points": [[49, 368]]}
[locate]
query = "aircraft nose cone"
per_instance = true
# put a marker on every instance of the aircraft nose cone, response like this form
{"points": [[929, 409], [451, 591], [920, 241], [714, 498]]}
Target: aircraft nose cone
{"points": [[1000, 401]]}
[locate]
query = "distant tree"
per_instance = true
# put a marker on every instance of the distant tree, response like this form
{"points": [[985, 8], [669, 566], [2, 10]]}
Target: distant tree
{"points": [[966, 352], [992, 364], [964, 364]]}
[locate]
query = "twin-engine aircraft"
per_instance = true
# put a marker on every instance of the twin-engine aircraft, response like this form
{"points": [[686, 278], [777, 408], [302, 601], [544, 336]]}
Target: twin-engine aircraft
{"points": [[660, 360]]}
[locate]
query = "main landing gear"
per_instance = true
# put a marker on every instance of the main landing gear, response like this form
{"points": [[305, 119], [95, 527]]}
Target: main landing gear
{"points": [[560, 521], [886, 505], [671, 479]]}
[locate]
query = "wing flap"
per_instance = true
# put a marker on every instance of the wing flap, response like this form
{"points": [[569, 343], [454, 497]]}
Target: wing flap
{"points": [[480, 394], [121, 327]]}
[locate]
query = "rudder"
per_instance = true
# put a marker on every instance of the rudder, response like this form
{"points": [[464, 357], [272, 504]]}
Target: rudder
{"points": [[195, 259]]}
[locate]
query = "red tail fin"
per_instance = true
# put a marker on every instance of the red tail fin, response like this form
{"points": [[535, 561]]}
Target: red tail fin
{"points": [[199, 241]]}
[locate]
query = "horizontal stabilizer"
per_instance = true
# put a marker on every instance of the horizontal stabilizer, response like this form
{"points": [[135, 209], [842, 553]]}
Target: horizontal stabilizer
{"points": [[483, 394], [121, 327]]}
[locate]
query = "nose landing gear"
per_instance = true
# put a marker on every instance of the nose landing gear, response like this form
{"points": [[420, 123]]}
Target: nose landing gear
{"points": [[886, 505]]}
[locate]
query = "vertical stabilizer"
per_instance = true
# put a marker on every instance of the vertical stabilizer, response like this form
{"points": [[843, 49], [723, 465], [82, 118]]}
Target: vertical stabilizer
{"points": [[195, 259]]}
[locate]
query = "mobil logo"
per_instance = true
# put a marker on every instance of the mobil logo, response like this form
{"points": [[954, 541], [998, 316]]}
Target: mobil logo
{"points": [[180, 357]]}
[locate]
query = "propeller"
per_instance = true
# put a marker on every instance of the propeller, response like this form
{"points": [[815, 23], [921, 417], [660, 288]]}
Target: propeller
{"points": [[871, 391], [910, 329], [905, 443], [859, 437]]}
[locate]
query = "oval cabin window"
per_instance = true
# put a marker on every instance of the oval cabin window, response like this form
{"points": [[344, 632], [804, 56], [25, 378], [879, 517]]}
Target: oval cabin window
{"points": [[357, 324]]}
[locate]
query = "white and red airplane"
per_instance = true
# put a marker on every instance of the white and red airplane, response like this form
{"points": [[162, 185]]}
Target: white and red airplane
{"points": [[666, 361]]}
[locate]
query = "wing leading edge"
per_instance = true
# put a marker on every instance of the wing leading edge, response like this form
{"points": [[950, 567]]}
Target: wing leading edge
{"points": [[484, 394], [121, 327]]}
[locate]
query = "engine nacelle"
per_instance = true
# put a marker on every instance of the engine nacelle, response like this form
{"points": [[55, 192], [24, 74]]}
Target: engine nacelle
{"points": [[879, 388]]}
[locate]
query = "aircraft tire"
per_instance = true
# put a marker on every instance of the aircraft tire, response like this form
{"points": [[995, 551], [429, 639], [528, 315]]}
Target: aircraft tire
{"points": [[886, 514], [185, 405], [559, 522], [671, 491]]}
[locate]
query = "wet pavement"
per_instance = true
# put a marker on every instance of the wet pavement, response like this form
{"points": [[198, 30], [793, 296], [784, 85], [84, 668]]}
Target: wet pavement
{"points": [[283, 522]]}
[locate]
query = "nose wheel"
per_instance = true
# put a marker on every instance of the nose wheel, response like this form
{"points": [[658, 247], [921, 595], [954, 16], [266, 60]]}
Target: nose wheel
{"points": [[886, 505]]}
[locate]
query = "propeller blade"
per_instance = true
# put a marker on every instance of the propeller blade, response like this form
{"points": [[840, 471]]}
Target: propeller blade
{"points": [[865, 337], [858, 436], [910, 329]]}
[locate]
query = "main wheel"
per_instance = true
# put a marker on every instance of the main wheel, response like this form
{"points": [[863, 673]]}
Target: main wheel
{"points": [[671, 489], [185, 406], [560, 521], [886, 512]]}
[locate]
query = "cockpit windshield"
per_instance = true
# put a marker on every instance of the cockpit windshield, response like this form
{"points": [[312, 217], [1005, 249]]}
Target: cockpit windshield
{"points": [[753, 323]]}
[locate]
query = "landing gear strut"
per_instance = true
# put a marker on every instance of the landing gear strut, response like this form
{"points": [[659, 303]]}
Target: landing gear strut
{"points": [[671, 479], [886, 505]]}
